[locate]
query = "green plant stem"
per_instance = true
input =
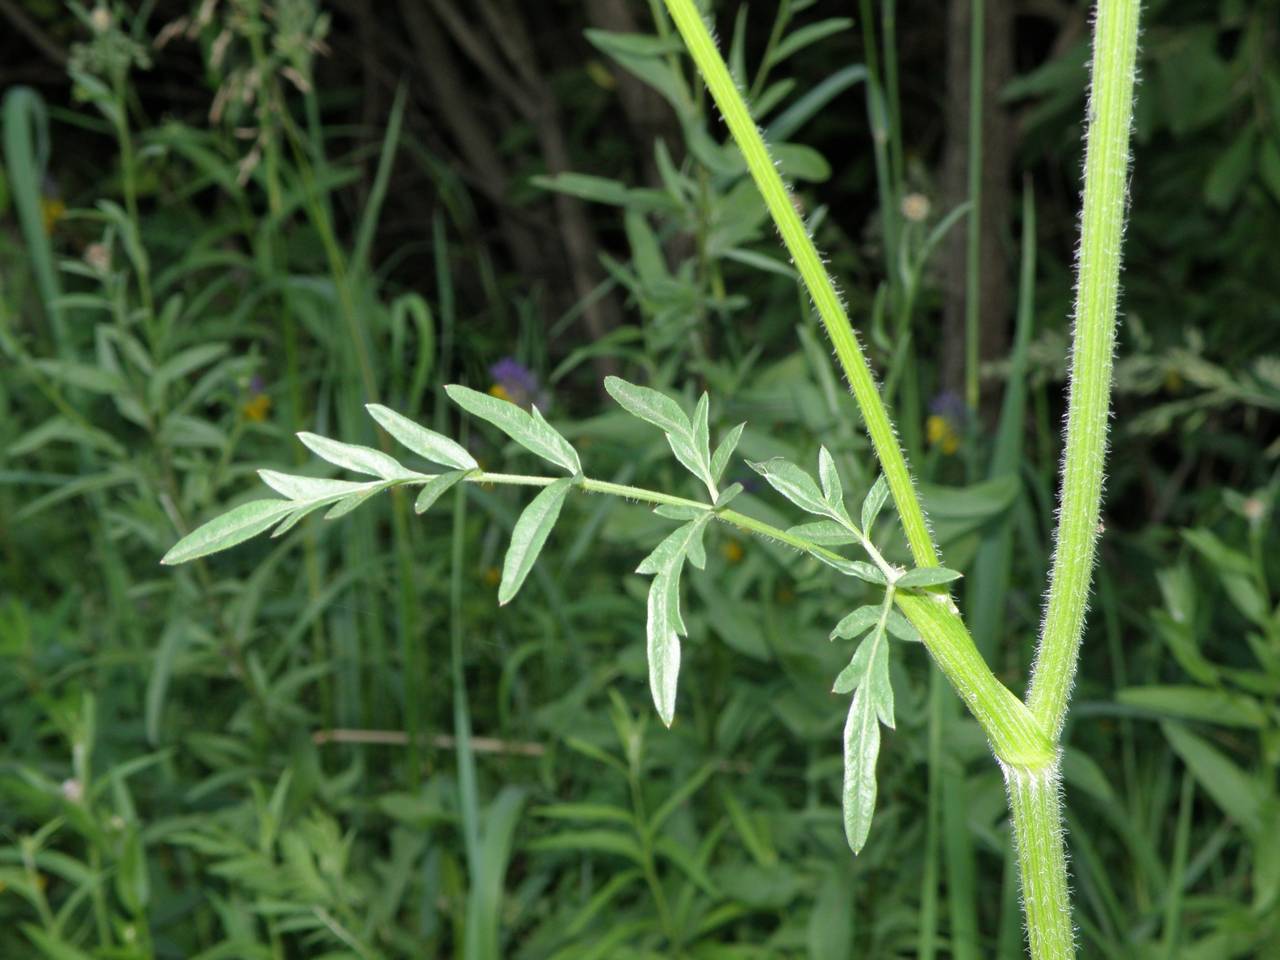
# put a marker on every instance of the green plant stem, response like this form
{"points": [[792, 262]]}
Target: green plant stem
{"points": [[817, 281], [1036, 803], [1097, 292], [973, 252], [1034, 793]]}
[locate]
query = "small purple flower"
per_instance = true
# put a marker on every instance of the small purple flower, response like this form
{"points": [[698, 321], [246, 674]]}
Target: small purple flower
{"points": [[513, 381], [950, 405]]}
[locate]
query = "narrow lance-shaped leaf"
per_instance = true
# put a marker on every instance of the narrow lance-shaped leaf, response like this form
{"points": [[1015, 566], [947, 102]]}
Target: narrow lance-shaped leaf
{"points": [[877, 680], [435, 488], [233, 527], [663, 645], [426, 443], [531, 431], [309, 488], [353, 500], [530, 533], [927, 577], [848, 679], [728, 494], [861, 749], [674, 545], [856, 623], [826, 533], [794, 484], [871, 506], [702, 443], [724, 452], [355, 457], [649, 405], [854, 568], [832, 488], [901, 627]]}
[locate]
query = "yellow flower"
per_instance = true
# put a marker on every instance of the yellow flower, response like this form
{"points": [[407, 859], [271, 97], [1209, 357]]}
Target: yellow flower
{"points": [[941, 434], [499, 391], [257, 408], [732, 551], [600, 75], [52, 210]]}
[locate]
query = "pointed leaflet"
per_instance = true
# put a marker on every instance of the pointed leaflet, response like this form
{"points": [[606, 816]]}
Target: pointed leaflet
{"points": [[649, 405], [851, 676], [724, 452], [663, 645], [727, 495], [425, 443], [353, 500], [689, 441], [794, 484], [853, 568], [832, 489], [309, 488], [825, 533], [355, 457], [434, 488], [674, 545], [690, 457], [856, 623], [876, 497], [235, 526], [531, 431], [901, 627], [702, 443], [861, 748], [529, 535], [877, 679], [291, 521], [664, 626], [926, 577]]}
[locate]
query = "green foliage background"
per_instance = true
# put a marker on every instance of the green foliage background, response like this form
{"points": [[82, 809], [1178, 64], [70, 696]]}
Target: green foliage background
{"points": [[222, 223]]}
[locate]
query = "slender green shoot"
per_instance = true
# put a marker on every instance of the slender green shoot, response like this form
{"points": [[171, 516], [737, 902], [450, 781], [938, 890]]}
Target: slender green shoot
{"points": [[808, 263], [1097, 293]]}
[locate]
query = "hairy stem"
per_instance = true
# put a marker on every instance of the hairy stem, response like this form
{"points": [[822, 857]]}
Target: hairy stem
{"points": [[1097, 291], [1035, 799], [808, 263], [1034, 793]]}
